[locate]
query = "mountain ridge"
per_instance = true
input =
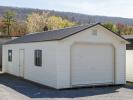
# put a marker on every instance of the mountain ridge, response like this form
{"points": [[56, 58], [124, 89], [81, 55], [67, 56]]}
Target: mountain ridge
{"points": [[22, 13]]}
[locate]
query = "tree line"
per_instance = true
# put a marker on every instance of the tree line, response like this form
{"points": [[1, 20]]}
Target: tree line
{"points": [[120, 28], [36, 22]]}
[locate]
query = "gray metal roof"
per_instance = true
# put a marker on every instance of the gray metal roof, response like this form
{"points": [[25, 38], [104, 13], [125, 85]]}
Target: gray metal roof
{"points": [[52, 35]]}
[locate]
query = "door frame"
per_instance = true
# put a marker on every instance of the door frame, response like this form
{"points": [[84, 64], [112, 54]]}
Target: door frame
{"points": [[114, 60], [23, 62]]}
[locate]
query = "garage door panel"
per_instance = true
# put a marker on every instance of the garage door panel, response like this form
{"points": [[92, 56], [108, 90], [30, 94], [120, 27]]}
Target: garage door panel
{"points": [[92, 64]]}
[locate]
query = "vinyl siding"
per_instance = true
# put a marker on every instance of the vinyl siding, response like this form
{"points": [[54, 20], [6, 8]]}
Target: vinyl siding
{"points": [[46, 74]]}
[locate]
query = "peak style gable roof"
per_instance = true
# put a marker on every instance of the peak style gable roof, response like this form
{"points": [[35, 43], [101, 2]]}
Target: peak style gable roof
{"points": [[54, 34]]}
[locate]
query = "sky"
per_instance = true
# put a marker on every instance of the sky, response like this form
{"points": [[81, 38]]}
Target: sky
{"points": [[115, 8]]}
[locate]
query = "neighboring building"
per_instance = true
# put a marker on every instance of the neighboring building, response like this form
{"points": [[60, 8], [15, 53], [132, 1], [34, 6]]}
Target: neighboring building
{"points": [[129, 58], [71, 57]]}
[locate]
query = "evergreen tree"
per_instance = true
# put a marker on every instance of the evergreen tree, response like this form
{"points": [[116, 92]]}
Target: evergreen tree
{"points": [[8, 19]]}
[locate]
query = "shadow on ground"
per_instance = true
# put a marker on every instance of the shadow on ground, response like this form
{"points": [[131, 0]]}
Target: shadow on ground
{"points": [[36, 91]]}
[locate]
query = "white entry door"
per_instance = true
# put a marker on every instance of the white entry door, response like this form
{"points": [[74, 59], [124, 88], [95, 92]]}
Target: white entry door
{"points": [[21, 62], [92, 64]]}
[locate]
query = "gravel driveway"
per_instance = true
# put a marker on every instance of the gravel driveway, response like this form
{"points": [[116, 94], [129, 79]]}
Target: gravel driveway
{"points": [[13, 88]]}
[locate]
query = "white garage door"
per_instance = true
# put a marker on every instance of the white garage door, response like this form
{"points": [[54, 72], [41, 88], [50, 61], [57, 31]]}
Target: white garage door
{"points": [[92, 64]]}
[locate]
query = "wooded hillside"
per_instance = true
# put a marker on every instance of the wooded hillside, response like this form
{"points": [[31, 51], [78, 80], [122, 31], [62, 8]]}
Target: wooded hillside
{"points": [[19, 21]]}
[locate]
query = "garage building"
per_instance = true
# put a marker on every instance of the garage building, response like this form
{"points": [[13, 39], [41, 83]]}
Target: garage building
{"points": [[84, 55]]}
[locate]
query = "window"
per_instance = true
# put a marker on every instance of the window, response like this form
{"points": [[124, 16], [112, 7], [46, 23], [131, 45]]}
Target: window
{"points": [[38, 57], [10, 55]]}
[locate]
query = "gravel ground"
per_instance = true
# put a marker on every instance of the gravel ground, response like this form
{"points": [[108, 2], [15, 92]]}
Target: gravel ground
{"points": [[13, 88]]}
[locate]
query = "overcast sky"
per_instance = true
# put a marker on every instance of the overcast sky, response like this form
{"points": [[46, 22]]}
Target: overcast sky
{"points": [[118, 8]]}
